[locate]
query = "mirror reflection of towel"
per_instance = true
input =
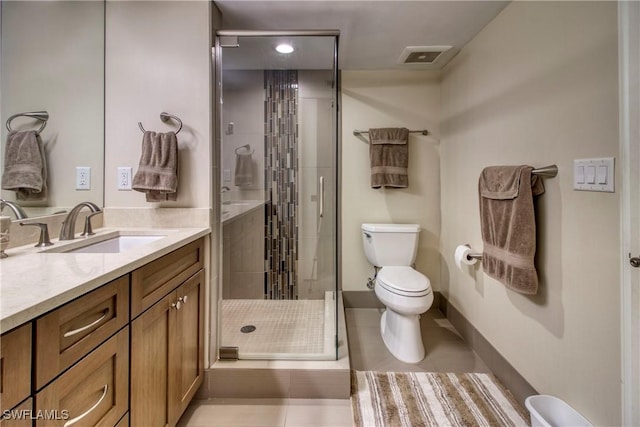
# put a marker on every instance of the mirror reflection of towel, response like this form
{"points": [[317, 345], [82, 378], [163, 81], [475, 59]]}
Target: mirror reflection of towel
{"points": [[25, 168], [157, 175], [244, 170]]}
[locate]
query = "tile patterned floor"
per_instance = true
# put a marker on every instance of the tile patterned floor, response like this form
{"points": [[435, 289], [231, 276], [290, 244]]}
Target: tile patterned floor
{"points": [[281, 326], [446, 352]]}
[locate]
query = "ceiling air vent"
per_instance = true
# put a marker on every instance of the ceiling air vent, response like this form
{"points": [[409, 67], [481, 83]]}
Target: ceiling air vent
{"points": [[421, 55]]}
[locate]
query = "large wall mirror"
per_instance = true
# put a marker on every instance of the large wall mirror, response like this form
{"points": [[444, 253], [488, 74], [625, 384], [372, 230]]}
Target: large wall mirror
{"points": [[52, 59]]}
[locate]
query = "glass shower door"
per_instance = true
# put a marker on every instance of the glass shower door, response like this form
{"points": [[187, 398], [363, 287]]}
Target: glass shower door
{"points": [[278, 167]]}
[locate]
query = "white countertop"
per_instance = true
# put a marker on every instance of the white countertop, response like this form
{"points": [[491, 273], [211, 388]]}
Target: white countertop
{"points": [[238, 208], [34, 281]]}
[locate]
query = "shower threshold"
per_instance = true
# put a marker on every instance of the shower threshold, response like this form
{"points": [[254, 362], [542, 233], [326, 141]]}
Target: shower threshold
{"points": [[281, 329]]}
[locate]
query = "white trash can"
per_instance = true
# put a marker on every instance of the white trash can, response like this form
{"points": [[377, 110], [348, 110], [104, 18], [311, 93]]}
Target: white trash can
{"points": [[549, 411]]}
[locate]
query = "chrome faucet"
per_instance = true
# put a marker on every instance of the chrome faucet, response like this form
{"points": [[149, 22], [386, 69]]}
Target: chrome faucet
{"points": [[17, 210], [67, 232]]}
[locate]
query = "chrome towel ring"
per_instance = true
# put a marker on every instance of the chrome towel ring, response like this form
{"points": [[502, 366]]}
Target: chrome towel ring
{"points": [[43, 116], [165, 118]]}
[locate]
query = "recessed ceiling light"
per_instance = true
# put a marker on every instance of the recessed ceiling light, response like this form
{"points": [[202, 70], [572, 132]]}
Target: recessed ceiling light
{"points": [[284, 48]]}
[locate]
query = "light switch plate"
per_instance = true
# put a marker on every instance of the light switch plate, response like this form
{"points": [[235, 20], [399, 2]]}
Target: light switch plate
{"points": [[594, 174]]}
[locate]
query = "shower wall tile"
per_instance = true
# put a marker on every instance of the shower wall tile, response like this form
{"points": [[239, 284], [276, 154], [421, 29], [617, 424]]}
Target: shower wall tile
{"points": [[281, 183]]}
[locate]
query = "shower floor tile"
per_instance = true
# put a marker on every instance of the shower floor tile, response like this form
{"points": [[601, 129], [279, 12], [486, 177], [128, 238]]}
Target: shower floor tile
{"points": [[283, 329]]}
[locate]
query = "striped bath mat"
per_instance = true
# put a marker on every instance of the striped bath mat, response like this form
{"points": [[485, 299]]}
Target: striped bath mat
{"points": [[412, 399]]}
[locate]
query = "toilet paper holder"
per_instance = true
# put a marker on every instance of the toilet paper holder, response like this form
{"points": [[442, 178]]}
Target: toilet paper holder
{"points": [[474, 255]]}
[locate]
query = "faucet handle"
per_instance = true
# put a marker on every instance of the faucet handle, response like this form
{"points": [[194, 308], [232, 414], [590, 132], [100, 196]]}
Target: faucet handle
{"points": [[44, 233], [88, 230]]}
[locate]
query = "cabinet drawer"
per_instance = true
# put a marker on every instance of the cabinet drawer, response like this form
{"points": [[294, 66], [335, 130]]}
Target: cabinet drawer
{"points": [[15, 366], [68, 333], [20, 416], [149, 284], [94, 392]]}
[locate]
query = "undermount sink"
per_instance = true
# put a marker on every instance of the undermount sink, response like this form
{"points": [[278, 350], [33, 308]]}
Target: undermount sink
{"points": [[116, 244]]}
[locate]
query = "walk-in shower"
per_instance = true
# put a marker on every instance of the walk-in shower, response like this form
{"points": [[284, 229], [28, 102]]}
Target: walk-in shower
{"points": [[277, 125]]}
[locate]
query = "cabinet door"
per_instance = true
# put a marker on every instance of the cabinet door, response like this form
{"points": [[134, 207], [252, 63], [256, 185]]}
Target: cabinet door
{"points": [[150, 348], [15, 366], [20, 416], [188, 346], [70, 332], [94, 392], [153, 281]]}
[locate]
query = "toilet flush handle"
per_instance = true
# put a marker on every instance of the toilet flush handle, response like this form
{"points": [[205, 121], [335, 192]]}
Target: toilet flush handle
{"points": [[635, 262]]}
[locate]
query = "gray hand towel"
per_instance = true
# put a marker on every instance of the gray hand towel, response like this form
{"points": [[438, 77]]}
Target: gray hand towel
{"points": [[389, 157], [244, 169], [25, 167], [157, 175], [508, 225]]}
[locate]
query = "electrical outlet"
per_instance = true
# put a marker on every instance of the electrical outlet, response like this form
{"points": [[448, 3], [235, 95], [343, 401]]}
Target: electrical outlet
{"points": [[83, 178], [124, 178]]}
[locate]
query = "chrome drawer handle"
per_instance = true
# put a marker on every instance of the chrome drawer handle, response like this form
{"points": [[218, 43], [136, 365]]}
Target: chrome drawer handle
{"points": [[89, 326], [321, 196], [183, 299], [72, 421]]}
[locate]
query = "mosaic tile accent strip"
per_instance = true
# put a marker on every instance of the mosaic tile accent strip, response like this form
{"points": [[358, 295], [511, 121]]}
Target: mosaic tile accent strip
{"points": [[281, 183], [281, 327]]}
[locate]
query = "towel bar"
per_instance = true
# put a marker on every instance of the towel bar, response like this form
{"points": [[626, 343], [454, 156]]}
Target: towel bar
{"points": [[360, 132], [43, 116], [165, 118], [550, 171]]}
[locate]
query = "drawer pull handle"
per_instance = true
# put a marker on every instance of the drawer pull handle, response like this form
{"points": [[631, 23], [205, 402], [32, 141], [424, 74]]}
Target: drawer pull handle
{"points": [[72, 421], [183, 299], [89, 326]]}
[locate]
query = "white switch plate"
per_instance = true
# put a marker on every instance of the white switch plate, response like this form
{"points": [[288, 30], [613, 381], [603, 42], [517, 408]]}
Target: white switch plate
{"points": [[124, 178], [594, 174], [83, 178]]}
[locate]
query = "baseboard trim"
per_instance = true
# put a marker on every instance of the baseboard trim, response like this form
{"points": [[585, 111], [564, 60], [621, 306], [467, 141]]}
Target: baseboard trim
{"points": [[501, 368]]}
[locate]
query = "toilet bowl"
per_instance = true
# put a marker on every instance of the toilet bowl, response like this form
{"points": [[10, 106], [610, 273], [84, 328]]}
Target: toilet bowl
{"points": [[405, 292]]}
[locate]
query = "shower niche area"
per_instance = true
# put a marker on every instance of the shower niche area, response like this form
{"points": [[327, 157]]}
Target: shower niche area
{"points": [[277, 127]]}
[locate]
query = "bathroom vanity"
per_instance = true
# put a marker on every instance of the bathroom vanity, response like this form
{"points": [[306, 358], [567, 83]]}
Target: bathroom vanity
{"points": [[108, 339]]}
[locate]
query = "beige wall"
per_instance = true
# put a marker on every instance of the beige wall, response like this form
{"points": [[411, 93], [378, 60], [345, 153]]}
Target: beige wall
{"points": [[539, 86], [158, 58], [373, 99]]}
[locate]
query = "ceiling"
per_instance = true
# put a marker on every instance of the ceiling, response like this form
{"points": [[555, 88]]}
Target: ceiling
{"points": [[373, 34]]}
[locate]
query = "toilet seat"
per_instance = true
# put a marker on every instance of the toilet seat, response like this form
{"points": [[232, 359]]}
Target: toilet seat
{"points": [[404, 280]]}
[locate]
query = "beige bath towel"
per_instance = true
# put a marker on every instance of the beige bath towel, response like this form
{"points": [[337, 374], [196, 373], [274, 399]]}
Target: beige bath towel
{"points": [[389, 157], [25, 167], [509, 226], [244, 169], [157, 175]]}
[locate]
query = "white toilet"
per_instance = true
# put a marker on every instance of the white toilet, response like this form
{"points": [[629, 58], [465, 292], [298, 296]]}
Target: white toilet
{"points": [[404, 291]]}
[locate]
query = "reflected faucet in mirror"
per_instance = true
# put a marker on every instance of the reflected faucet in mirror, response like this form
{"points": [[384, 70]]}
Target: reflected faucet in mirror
{"points": [[67, 232], [17, 210]]}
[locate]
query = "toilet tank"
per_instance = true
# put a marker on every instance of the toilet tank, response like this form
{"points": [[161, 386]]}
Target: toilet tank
{"points": [[390, 244]]}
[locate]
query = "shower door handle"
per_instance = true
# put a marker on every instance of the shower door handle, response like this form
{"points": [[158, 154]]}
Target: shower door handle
{"points": [[321, 196]]}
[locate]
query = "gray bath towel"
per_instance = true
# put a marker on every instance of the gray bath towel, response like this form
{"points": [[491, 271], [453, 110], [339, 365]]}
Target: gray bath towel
{"points": [[389, 157], [244, 169], [157, 175], [508, 225], [25, 166]]}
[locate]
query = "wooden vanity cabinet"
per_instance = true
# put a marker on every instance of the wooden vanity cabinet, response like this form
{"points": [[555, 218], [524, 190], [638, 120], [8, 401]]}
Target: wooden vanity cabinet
{"points": [[15, 367], [94, 392], [150, 283], [68, 333], [20, 416], [167, 351]]}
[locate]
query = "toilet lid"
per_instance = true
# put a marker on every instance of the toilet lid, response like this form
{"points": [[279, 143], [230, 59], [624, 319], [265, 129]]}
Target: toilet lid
{"points": [[404, 281]]}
